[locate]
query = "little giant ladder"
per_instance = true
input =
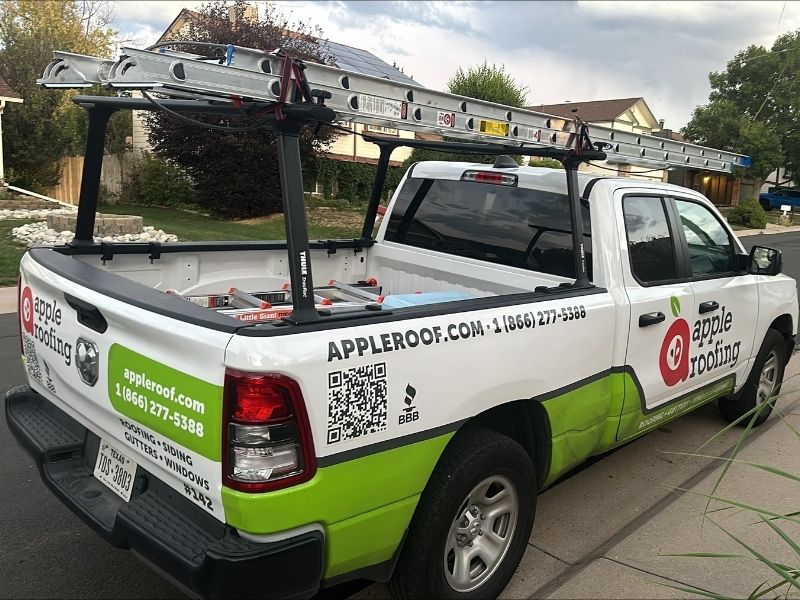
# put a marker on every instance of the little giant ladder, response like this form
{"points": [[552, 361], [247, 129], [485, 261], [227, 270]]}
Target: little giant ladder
{"points": [[241, 81]]}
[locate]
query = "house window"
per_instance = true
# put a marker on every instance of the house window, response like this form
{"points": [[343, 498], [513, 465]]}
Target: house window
{"points": [[381, 130]]}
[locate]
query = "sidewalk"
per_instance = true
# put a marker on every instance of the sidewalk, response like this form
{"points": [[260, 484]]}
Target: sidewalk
{"points": [[8, 300], [770, 229]]}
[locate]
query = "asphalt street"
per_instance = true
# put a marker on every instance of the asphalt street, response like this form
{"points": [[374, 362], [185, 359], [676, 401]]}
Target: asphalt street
{"points": [[47, 552]]}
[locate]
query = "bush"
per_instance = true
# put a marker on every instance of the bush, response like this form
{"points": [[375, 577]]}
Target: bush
{"points": [[157, 182], [748, 214], [351, 181]]}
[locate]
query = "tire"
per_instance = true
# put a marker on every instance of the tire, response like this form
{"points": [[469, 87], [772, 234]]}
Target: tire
{"points": [[765, 205], [770, 362], [477, 468]]}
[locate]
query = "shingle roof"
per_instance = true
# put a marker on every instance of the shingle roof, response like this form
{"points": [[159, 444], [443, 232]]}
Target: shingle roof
{"points": [[593, 110], [6, 90]]}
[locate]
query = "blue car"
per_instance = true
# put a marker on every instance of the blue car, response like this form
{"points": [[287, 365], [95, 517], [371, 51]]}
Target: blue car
{"points": [[778, 197]]}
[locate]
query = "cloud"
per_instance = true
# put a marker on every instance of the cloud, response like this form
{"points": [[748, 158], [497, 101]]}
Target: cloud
{"points": [[579, 50]]}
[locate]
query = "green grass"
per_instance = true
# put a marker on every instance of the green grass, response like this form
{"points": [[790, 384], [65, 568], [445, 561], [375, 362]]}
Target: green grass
{"points": [[193, 227], [324, 223], [10, 252]]}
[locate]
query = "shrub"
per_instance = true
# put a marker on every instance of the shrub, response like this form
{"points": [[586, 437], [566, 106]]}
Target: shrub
{"points": [[157, 182], [350, 181], [748, 214]]}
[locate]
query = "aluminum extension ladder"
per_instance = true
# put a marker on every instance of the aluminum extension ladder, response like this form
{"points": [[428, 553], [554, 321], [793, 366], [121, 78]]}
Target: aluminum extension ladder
{"points": [[247, 74]]}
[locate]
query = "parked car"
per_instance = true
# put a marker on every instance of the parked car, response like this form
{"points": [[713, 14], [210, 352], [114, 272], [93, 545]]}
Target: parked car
{"points": [[778, 197]]}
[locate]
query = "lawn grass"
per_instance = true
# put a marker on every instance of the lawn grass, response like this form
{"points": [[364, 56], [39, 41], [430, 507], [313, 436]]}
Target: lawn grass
{"points": [[195, 227], [10, 252], [323, 223]]}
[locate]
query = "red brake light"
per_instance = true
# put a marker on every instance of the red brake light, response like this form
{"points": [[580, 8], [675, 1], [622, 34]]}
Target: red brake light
{"points": [[258, 400], [489, 177], [267, 442]]}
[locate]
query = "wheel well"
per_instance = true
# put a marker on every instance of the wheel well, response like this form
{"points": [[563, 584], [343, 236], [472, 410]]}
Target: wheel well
{"points": [[526, 422], [783, 325]]}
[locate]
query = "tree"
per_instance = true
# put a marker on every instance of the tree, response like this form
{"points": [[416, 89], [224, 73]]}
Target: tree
{"points": [[482, 82], [47, 126], [754, 107], [236, 173], [721, 124], [490, 83]]}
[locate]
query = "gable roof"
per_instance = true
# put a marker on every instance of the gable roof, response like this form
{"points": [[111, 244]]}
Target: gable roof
{"points": [[593, 110], [344, 57], [8, 93]]}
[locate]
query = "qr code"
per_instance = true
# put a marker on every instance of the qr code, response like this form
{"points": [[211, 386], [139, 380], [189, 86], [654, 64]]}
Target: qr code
{"points": [[31, 360], [356, 402]]}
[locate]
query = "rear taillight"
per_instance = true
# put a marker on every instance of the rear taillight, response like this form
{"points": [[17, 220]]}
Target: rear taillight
{"points": [[267, 441]]}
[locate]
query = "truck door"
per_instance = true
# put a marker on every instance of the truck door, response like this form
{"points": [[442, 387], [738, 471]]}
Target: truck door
{"points": [[662, 301], [726, 298]]}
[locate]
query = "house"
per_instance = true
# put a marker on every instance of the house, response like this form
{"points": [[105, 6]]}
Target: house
{"points": [[633, 114], [7, 94], [626, 114], [346, 147]]}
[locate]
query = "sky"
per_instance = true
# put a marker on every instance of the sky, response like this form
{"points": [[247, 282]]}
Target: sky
{"points": [[561, 51]]}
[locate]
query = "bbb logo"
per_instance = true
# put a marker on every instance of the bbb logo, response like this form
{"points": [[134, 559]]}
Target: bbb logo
{"points": [[410, 412]]}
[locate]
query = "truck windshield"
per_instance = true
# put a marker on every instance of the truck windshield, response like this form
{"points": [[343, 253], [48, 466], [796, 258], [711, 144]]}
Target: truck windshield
{"points": [[514, 226]]}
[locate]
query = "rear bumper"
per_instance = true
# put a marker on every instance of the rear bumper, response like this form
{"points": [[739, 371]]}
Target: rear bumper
{"points": [[178, 539]]}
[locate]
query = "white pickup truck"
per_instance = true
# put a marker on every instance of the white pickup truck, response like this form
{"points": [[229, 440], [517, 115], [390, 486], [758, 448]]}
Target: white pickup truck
{"points": [[253, 435], [409, 442]]}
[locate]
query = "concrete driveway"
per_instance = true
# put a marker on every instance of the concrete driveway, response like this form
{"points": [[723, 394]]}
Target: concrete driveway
{"points": [[601, 533]]}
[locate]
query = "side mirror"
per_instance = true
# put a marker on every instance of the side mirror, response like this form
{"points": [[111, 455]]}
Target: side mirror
{"points": [[764, 261]]}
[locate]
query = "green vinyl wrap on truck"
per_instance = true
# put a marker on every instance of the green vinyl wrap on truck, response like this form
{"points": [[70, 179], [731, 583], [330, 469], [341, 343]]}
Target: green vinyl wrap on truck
{"points": [[366, 504]]}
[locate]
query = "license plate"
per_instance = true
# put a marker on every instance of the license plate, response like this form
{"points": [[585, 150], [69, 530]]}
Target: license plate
{"points": [[115, 470]]}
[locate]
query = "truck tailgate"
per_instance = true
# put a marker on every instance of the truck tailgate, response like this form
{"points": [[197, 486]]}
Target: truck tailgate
{"points": [[148, 385]]}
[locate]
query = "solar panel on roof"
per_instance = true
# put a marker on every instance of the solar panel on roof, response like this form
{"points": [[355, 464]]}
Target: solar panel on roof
{"points": [[364, 62]]}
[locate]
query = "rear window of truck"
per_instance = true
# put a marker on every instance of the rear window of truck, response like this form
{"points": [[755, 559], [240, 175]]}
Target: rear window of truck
{"points": [[508, 225]]}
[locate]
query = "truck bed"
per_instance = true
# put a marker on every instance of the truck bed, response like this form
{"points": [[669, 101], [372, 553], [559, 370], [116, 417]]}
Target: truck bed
{"points": [[132, 273]]}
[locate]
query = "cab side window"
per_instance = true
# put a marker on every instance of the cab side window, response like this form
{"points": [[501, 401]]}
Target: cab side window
{"points": [[711, 251], [650, 243]]}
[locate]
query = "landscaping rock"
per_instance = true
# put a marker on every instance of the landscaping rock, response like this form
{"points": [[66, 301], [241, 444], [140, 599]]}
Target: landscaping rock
{"points": [[39, 233]]}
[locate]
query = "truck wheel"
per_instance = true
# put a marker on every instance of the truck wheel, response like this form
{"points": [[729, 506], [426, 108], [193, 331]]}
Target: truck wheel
{"points": [[765, 205], [764, 381], [472, 523]]}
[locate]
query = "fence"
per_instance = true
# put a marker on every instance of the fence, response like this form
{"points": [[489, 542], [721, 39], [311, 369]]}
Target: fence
{"points": [[116, 170]]}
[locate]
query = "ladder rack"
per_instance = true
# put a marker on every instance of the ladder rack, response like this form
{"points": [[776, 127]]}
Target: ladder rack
{"points": [[287, 94], [254, 75]]}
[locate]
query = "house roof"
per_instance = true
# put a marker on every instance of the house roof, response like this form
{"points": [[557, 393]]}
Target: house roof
{"points": [[344, 56], [8, 93], [177, 24], [363, 62], [593, 110]]}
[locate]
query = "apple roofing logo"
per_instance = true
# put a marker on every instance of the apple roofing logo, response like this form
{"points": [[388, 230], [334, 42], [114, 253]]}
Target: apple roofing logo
{"points": [[673, 360]]}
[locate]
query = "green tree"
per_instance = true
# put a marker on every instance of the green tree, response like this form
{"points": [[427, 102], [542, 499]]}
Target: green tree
{"points": [[754, 107], [235, 174], [490, 83], [47, 126], [482, 82]]}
